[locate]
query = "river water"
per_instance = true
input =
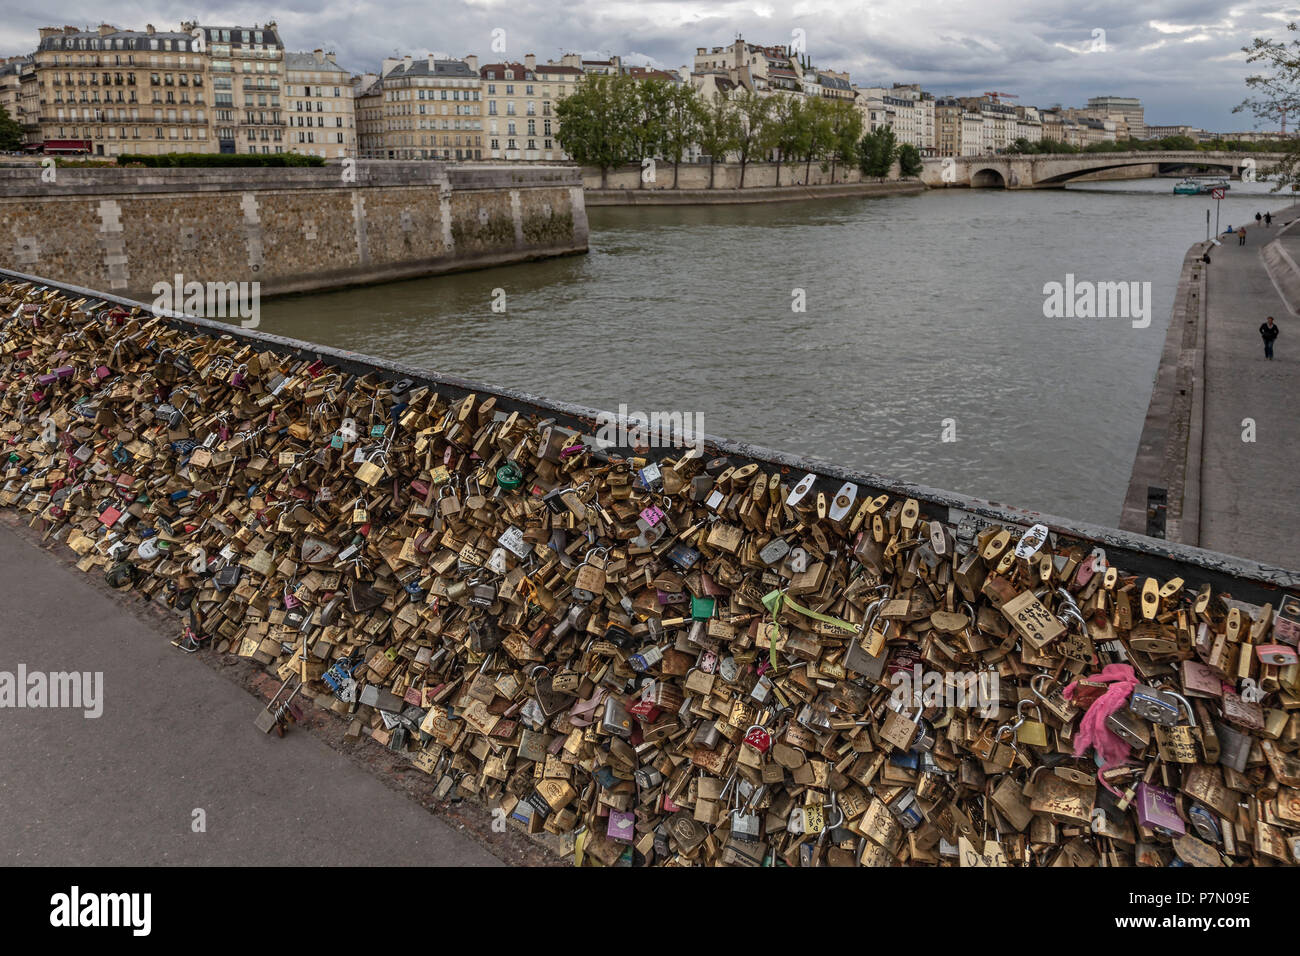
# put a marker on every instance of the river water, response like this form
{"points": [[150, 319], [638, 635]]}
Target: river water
{"points": [[924, 320]]}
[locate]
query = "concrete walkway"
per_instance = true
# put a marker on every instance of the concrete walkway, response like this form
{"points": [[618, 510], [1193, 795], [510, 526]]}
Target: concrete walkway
{"points": [[1250, 491], [176, 735]]}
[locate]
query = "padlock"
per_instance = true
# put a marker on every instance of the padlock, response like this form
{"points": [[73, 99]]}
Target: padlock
{"points": [[759, 738], [1031, 733], [590, 581], [1155, 705], [1129, 727], [1178, 743]]}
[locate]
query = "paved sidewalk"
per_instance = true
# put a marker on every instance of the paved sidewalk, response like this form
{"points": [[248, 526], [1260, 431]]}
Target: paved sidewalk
{"points": [[1250, 492], [174, 735]]}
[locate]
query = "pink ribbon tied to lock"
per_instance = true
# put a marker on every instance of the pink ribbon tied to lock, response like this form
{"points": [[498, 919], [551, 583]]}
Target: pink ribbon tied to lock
{"points": [[1092, 728], [583, 712]]}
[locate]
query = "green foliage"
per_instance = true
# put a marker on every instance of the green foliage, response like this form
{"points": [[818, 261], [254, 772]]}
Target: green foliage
{"points": [[909, 160], [595, 123], [219, 159], [787, 131], [753, 113], [719, 130], [877, 152], [846, 131], [11, 133], [683, 121]]}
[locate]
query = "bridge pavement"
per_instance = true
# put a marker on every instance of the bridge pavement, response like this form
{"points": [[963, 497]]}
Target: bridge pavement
{"points": [[174, 735]]}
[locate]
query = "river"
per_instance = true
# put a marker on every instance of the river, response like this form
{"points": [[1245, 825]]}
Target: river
{"points": [[924, 320]]}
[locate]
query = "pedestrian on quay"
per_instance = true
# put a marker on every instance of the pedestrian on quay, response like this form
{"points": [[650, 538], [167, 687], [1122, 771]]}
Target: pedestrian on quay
{"points": [[1241, 236], [1268, 219], [1268, 332], [1258, 217]]}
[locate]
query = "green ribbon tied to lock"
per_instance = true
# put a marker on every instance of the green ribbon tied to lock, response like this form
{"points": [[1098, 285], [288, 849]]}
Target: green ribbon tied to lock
{"points": [[776, 600]]}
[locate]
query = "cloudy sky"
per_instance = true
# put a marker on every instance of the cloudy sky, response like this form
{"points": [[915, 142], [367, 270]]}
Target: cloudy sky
{"points": [[1181, 57]]}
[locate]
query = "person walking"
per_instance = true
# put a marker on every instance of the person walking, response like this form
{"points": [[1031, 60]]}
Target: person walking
{"points": [[1258, 217], [1241, 236], [1268, 332], [1268, 219]]}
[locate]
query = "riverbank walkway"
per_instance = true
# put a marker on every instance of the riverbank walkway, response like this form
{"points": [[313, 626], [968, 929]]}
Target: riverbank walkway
{"points": [[1250, 490], [1221, 433], [175, 737]]}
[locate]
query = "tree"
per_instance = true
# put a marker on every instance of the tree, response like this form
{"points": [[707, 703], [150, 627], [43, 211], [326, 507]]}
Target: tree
{"points": [[11, 133], [647, 129], [1272, 92], [878, 151], [719, 129], [682, 125], [594, 121], [787, 130], [819, 134], [846, 130], [909, 160], [753, 112]]}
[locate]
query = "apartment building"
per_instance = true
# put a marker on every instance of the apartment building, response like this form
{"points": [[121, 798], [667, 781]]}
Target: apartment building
{"points": [[1029, 124], [368, 107], [1163, 132], [11, 87], [247, 67], [108, 91], [905, 108], [431, 109], [772, 69], [520, 101], [31, 103], [913, 116], [1125, 112], [319, 106]]}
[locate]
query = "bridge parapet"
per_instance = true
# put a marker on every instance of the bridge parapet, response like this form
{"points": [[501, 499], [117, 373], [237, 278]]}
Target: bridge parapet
{"points": [[1056, 169]]}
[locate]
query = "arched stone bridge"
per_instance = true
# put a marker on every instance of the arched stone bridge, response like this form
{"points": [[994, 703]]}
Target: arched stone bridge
{"points": [[1057, 169]]}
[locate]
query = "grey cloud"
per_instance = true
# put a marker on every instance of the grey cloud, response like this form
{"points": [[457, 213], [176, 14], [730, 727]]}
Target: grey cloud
{"points": [[995, 44]]}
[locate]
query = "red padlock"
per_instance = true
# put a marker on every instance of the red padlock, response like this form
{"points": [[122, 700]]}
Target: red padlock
{"points": [[758, 738]]}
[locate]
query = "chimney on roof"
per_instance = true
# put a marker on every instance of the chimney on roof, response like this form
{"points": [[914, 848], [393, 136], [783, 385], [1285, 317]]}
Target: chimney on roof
{"points": [[406, 61], [530, 61], [148, 28], [472, 62], [106, 28], [318, 55], [431, 66], [70, 30]]}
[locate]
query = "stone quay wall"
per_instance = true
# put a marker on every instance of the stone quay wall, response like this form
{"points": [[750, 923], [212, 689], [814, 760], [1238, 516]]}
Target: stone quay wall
{"points": [[292, 229]]}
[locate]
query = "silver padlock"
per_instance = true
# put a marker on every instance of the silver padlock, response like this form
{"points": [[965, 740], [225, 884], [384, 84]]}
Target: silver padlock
{"points": [[1158, 706]]}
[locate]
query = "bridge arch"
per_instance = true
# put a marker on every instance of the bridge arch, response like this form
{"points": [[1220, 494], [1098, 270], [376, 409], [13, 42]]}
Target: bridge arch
{"points": [[987, 178], [1228, 167]]}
